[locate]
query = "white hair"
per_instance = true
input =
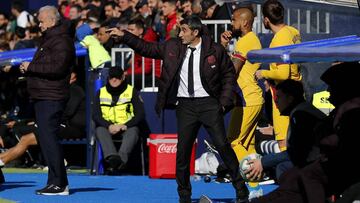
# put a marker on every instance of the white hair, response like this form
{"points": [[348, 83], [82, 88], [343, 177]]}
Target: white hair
{"points": [[52, 11]]}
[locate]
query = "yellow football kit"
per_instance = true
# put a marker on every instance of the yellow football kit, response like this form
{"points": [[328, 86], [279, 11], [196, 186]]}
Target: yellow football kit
{"points": [[244, 118], [280, 72]]}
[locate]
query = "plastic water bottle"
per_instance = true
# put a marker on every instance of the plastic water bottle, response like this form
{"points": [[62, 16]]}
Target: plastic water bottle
{"points": [[231, 45]]}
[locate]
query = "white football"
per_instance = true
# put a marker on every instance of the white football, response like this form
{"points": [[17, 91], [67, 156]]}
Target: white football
{"points": [[244, 164]]}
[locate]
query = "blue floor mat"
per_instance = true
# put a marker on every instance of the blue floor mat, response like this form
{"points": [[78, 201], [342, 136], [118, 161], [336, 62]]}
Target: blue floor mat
{"points": [[98, 189]]}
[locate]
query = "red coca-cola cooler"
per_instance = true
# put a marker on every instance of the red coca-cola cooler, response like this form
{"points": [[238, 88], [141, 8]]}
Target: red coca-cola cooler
{"points": [[162, 156]]}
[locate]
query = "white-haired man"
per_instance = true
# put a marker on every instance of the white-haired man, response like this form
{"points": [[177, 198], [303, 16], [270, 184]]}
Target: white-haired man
{"points": [[48, 76]]}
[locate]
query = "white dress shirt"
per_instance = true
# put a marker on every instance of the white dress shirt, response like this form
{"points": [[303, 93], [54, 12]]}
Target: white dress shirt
{"points": [[199, 90]]}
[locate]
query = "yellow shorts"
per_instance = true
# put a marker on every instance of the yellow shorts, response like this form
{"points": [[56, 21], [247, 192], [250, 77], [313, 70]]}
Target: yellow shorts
{"points": [[241, 131], [280, 123]]}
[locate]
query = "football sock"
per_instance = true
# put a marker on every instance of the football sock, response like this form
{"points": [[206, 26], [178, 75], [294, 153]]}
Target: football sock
{"points": [[269, 146]]}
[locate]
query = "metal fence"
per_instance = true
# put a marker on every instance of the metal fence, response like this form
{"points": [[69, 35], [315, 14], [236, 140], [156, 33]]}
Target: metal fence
{"points": [[307, 21]]}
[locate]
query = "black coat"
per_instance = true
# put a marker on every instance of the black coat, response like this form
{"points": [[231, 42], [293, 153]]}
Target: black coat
{"points": [[48, 74], [217, 72]]}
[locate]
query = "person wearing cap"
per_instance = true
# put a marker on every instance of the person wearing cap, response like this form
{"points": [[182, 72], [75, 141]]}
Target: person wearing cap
{"points": [[197, 80], [118, 112]]}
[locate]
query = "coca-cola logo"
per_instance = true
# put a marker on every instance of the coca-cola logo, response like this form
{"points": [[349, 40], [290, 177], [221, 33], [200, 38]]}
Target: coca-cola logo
{"points": [[167, 148]]}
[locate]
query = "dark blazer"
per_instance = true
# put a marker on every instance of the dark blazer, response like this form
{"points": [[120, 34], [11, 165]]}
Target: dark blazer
{"points": [[48, 74], [217, 72]]}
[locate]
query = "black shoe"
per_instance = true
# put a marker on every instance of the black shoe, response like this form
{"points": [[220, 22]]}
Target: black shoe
{"points": [[242, 196], [42, 189], [114, 162], [205, 199], [2, 178], [210, 147], [185, 199], [53, 190]]}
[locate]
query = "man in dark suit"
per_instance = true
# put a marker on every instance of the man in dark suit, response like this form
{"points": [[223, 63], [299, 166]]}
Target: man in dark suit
{"points": [[197, 78], [48, 77]]}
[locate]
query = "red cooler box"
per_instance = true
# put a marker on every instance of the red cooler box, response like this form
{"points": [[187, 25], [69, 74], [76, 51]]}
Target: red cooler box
{"points": [[162, 156]]}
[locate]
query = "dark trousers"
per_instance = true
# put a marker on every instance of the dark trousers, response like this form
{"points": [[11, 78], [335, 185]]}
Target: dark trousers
{"points": [[48, 114], [191, 114]]}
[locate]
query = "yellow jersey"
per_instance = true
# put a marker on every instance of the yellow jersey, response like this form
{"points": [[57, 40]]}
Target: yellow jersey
{"points": [[278, 72], [248, 89]]}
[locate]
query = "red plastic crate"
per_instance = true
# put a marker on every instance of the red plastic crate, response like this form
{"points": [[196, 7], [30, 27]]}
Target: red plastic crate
{"points": [[162, 156]]}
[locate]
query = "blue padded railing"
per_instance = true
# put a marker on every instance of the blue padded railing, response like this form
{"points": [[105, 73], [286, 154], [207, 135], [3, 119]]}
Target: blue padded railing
{"points": [[16, 57], [283, 54]]}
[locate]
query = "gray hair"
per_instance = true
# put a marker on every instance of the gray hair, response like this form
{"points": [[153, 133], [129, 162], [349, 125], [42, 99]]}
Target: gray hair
{"points": [[52, 11]]}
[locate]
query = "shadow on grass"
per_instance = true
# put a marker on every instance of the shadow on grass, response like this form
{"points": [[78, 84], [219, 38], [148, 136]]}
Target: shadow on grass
{"points": [[13, 185], [89, 189]]}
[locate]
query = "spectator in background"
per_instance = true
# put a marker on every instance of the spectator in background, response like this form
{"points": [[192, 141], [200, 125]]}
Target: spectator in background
{"points": [[136, 27], [82, 3], [4, 23], [23, 39], [104, 37], [154, 4], [64, 8], [92, 12], [212, 11], [75, 12], [118, 112], [125, 9], [169, 12], [34, 34], [23, 18], [95, 6], [111, 12], [186, 7], [72, 125], [196, 7], [273, 12], [143, 9], [155, 16]]}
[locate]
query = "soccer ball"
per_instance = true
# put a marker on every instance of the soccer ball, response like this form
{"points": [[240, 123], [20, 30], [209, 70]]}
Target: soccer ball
{"points": [[244, 165]]}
